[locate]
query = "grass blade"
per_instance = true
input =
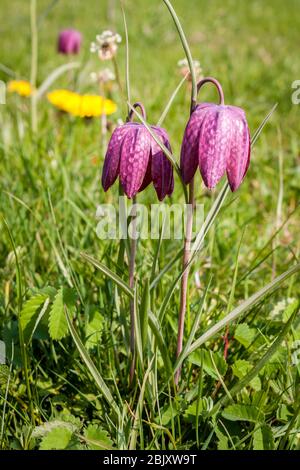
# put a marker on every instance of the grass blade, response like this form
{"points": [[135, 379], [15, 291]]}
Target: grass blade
{"points": [[91, 366], [110, 274], [240, 310]]}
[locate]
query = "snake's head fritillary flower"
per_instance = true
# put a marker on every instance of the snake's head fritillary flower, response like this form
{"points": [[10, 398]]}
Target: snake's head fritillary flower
{"points": [[69, 42], [138, 160], [106, 45], [216, 139]]}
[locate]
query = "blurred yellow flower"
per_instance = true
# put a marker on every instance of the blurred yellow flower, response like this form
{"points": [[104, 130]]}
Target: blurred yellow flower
{"points": [[81, 105], [21, 87]]}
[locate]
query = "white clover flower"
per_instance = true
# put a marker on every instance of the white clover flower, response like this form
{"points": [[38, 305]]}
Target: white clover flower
{"points": [[183, 66], [103, 76], [106, 45]]}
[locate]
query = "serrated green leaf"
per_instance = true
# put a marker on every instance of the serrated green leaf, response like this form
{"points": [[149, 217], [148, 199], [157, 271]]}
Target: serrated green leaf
{"points": [[56, 439], [30, 312], [58, 327], [199, 407], [205, 357], [96, 438], [241, 368], [4, 374], [222, 439], [244, 334], [242, 412]]}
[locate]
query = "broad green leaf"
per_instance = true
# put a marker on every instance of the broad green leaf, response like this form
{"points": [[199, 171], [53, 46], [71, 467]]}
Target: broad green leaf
{"points": [[200, 407], [110, 274], [244, 334], [283, 414], [96, 438], [58, 327], [263, 438], [241, 368], [205, 357], [241, 412], [29, 314], [56, 439], [93, 330], [222, 439]]}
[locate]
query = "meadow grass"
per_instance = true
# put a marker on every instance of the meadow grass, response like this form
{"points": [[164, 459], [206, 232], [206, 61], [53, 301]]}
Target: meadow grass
{"points": [[73, 391]]}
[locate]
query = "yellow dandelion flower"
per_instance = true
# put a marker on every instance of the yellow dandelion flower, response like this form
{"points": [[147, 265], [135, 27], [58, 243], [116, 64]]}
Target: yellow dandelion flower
{"points": [[81, 105], [21, 87]]}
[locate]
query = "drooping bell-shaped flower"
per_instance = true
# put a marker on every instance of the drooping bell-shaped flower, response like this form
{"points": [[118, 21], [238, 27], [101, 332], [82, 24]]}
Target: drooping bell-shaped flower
{"points": [[69, 41], [138, 160], [216, 139]]}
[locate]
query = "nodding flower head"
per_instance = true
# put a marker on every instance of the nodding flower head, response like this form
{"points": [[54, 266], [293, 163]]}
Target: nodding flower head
{"points": [[106, 45], [69, 42], [135, 157], [216, 139]]}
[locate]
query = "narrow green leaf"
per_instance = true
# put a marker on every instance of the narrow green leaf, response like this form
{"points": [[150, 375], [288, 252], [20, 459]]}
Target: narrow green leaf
{"points": [[156, 330], [144, 314], [91, 367], [241, 309], [110, 274]]}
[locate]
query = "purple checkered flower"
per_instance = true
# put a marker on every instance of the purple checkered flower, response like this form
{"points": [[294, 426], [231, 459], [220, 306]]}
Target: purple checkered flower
{"points": [[138, 160], [216, 139], [69, 42]]}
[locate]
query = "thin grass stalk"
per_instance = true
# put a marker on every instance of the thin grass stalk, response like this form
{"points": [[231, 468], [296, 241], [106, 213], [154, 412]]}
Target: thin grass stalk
{"points": [[34, 65], [20, 329]]}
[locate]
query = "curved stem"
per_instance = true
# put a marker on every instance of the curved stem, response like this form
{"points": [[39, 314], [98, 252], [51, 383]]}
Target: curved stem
{"points": [[187, 52], [140, 105], [214, 82]]}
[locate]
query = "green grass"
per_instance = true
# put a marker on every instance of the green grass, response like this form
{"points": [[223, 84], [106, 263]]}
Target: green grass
{"points": [[50, 189]]}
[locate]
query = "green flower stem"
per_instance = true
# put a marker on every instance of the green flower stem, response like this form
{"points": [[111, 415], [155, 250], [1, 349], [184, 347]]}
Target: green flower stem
{"points": [[191, 200], [186, 50], [131, 285], [185, 277]]}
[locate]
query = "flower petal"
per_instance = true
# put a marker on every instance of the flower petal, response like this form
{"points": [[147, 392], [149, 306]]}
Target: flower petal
{"points": [[148, 176], [112, 157], [239, 158], [135, 153], [189, 149], [214, 145], [161, 168]]}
